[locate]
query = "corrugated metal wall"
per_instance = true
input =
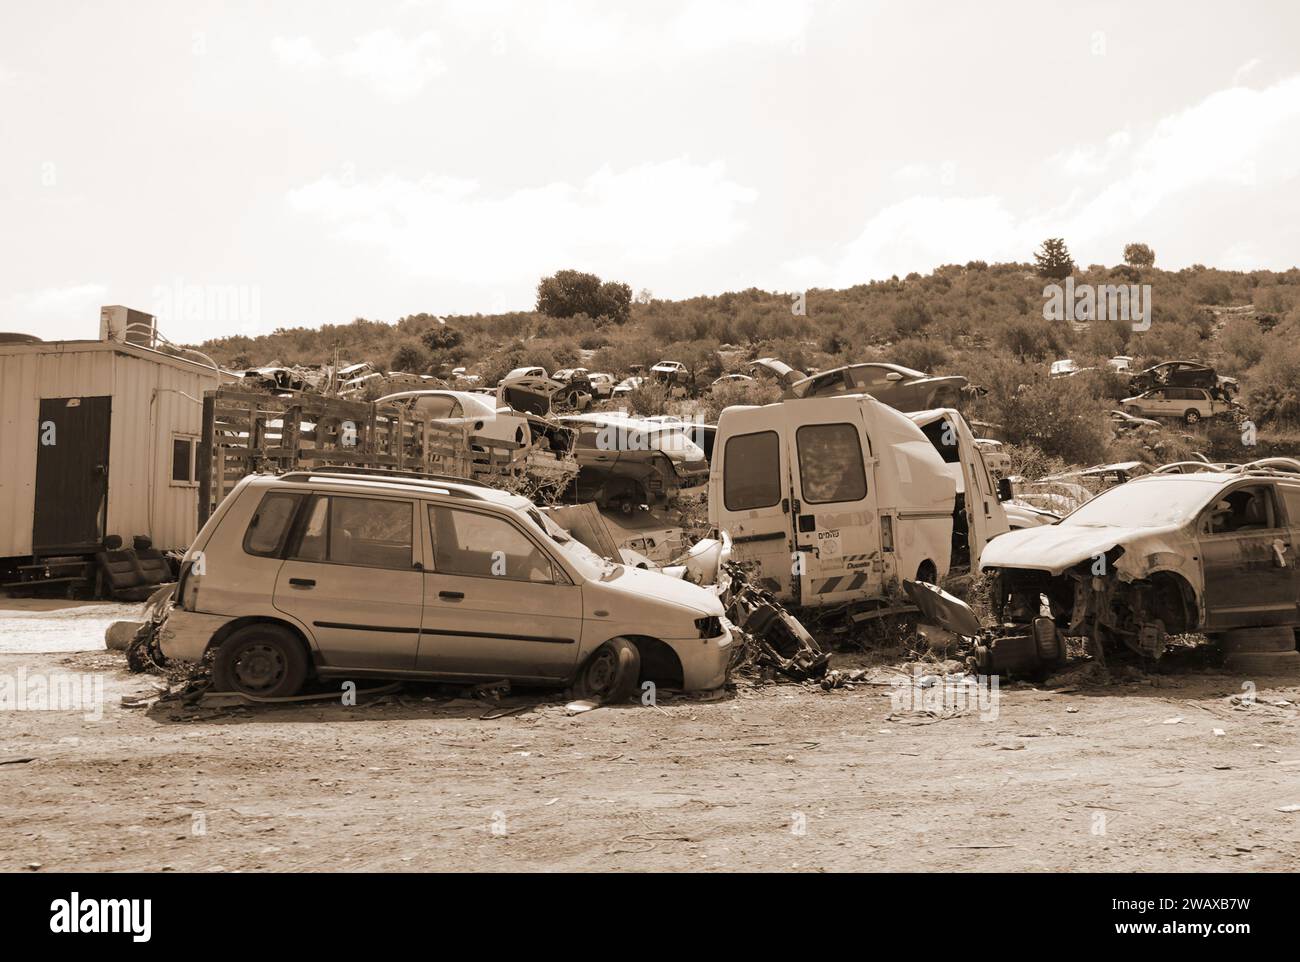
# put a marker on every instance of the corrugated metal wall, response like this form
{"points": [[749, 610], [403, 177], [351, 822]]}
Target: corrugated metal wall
{"points": [[149, 407]]}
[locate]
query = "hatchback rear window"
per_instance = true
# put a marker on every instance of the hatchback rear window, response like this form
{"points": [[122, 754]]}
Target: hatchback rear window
{"points": [[830, 463], [751, 473], [270, 524]]}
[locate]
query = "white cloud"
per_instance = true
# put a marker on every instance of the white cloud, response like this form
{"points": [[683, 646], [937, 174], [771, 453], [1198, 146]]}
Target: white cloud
{"points": [[587, 35], [56, 312], [298, 53], [1233, 139], [1090, 160], [451, 230], [395, 65], [1244, 70]]}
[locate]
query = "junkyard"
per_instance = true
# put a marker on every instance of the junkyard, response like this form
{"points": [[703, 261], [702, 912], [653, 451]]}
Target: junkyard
{"points": [[715, 436]]}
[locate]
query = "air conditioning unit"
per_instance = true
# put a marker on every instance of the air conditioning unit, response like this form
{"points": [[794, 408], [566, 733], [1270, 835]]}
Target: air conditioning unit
{"points": [[128, 326]]}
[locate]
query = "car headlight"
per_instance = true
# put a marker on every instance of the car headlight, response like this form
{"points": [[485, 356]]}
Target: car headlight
{"points": [[709, 627]]}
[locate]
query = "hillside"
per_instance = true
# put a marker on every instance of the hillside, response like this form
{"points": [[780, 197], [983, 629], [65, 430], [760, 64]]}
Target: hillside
{"points": [[983, 321]]}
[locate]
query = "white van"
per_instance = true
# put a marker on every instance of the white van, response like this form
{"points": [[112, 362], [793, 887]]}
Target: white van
{"points": [[838, 499]]}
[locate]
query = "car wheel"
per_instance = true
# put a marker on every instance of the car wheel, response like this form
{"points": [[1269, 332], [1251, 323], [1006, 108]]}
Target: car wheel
{"points": [[267, 661], [1192, 416], [610, 674]]}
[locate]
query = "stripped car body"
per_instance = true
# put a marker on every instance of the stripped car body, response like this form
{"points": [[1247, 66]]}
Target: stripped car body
{"points": [[1161, 555], [900, 387]]}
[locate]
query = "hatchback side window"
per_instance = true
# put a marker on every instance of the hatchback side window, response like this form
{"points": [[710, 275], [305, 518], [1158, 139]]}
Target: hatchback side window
{"points": [[1291, 500], [482, 545], [368, 532], [269, 526]]}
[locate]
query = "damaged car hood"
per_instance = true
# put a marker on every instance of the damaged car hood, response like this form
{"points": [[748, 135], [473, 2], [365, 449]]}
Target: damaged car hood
{"points": [[1056, 547]]}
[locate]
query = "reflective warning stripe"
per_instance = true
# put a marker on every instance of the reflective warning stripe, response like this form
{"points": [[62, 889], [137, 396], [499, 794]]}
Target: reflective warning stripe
{"points": [[840, 583]]}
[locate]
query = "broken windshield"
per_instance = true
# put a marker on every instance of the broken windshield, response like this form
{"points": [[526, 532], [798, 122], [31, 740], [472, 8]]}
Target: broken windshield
{"points": [[1146, 504]]}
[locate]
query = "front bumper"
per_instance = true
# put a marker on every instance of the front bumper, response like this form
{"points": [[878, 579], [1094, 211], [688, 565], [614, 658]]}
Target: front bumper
{"points": [[704, 660]]}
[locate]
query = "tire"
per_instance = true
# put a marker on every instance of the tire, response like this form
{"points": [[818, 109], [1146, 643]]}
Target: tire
{"points": [[267, 661], [610, 674], [1192, 416]]}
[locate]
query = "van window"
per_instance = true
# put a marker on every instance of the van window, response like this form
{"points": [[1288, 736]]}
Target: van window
{"points": [[751, 471], [270, 523], [470, 543], [368, 532], [830, 463], [944, 438]]}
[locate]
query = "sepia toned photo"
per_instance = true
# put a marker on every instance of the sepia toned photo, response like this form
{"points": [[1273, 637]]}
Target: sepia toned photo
{"points": [[709, 436]]}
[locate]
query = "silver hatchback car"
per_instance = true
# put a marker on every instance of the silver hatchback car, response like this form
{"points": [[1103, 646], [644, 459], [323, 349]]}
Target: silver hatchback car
{"points": [[352, 576]]}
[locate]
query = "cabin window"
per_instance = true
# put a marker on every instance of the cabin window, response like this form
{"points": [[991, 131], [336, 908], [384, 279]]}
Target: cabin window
{"points": [[751, 471], [183, 466], [831, 467]]}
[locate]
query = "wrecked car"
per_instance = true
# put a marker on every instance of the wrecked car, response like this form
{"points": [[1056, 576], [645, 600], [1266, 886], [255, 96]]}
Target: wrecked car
{"points": [[1161, 555], [900, 387], [1189, 404], [355, 576], [625, 462]]}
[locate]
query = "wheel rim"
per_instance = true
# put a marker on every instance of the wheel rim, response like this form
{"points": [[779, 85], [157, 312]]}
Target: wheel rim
{"points": [[601, 670], [258, 667]]}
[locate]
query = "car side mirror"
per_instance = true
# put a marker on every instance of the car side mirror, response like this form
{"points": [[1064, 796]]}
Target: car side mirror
{"points": [[1005, 492], [893, 376]]}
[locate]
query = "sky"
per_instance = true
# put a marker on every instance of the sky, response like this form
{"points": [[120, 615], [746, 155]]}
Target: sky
{"points": [[235, 167]]}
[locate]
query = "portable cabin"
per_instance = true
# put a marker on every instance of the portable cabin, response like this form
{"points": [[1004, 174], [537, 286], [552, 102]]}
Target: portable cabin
{"points": [[97, 438]]}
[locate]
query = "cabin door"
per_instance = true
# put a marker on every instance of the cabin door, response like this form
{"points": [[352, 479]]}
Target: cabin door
{"points": [[71, 474]]}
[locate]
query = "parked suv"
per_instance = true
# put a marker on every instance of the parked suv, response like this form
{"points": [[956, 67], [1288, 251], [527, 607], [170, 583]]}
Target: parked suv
{"points": [[355, 576]]}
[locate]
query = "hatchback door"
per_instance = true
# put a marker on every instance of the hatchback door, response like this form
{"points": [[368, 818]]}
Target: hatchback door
{"points": [[837, 524], [495, 603], [351, 575]]}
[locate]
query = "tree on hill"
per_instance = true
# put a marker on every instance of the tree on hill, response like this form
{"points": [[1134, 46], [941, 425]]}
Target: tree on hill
{"points": [[409, 357], [1139, 255], [441, 338], [567, 293], [1053, 259]]}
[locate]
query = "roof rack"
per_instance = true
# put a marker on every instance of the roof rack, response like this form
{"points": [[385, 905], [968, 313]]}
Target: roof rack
{"points": [[379, 474]]}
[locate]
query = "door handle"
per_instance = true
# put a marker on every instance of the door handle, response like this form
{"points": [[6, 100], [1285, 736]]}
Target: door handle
{"points": [[303, 582], [1280, 548], [451, 595]]}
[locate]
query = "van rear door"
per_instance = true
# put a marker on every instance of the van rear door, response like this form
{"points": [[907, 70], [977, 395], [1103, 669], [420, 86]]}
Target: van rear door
{"points": [[749, 494], [836, 514], [985, 516]]}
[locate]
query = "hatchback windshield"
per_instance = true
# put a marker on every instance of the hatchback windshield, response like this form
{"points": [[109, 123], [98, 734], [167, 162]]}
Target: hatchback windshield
{"points": [[1146, 504]]}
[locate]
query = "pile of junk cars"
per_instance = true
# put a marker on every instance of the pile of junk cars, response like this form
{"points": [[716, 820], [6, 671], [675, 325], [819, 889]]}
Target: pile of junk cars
{"points": [[838, 501]]}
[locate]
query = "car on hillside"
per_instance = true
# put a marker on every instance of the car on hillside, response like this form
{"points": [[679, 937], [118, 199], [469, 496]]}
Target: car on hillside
{"points": [[728, 379], [1162, 555], [1122, 421], [602, 385], [350, 577], [902, 388], [628, 385], [1191, 405]]}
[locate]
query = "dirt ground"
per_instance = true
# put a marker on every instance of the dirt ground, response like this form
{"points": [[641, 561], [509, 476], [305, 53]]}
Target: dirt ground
{"points": [[1129, 777]]}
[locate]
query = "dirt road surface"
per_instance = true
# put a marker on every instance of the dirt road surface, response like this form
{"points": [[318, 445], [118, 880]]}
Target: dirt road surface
{"points": [[1130, 777]]}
